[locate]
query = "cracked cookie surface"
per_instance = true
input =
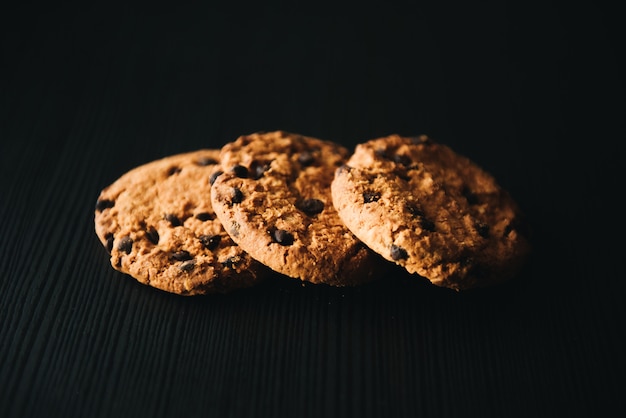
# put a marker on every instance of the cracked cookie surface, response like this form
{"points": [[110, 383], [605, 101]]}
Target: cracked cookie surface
{"points": [[158, 225], [432, 211], [274, 199]]}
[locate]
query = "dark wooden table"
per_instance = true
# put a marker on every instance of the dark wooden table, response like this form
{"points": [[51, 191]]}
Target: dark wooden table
{"points": [[531, 91]]}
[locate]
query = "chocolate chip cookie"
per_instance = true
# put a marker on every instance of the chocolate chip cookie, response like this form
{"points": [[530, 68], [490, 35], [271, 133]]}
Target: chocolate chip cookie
{"points": [[274, 200], [423, 206], [158, 225]]}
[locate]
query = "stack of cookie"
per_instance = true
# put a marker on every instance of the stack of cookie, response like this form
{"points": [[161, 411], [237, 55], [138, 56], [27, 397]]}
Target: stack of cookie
{"points": [[213, 221]]}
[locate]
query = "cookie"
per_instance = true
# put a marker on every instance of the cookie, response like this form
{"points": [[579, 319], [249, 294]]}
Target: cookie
{"points": [[274, 199], [157, 223], [434, 212]]}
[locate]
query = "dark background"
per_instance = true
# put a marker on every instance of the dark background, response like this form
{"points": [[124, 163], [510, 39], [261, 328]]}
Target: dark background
{"points": [[532, 91]]}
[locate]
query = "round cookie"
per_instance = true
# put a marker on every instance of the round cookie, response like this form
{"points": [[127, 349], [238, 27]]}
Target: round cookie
{"points": [[157, 223], [274, 200], [434, 212]]}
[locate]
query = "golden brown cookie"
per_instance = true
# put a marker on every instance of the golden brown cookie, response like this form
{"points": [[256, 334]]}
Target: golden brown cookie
{"points": [[421, 205], [274, 200], [157, 223]]}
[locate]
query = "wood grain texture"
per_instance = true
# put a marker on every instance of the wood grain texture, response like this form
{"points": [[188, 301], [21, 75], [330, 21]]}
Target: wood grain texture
{"points": [[88, 95]]}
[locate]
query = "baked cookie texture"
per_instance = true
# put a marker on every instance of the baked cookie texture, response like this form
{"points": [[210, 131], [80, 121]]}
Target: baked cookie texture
{"points": [[274, 200], [158, 225], [434, 212]]}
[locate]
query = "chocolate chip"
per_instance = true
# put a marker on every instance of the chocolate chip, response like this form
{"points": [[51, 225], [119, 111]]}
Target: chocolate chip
{"points": [[343, 168], [240, 171], [109, 238], [398, 253], [281, 236], [425, 223], [210, 242], [404, 176], [181, 255], [204, 216], [482, 229], [471, 197], [381, 153], [153, 235], [187, 265], [204, 161], [104, 204], [231, 262], [125, 245], [310, 206], [306, 158], [405, 160], [415, 211], [237, 195], [257, 169], [173, 219], [173, 170], [370, 196], [214, 176]]}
